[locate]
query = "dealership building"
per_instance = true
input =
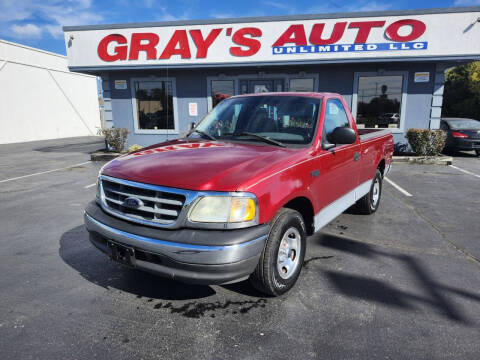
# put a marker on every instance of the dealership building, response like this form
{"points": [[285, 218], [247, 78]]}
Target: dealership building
{"points": [[160, 77]]}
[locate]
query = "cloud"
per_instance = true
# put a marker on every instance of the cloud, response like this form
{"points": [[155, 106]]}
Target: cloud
{"points": [[221, 15], [33, 18], [26, 31], [63, 18], [337, 6], [466, 2], [371, 6], [167, 17], [278, 5]]}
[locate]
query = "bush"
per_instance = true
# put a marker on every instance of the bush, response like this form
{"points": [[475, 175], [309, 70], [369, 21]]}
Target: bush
{"points": [[116, 138], [426, 142], [134, 147]]}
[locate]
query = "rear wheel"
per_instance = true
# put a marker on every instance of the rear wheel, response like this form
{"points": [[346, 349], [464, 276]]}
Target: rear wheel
{"points": [[370, 202], [282, 258], [477, 152]]}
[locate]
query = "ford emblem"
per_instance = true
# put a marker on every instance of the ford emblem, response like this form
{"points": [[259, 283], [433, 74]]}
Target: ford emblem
{"points": [[132, 203]]}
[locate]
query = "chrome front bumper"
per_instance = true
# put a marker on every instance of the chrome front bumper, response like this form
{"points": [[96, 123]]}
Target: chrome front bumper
{"points": [[188, 253], [207, 264]]}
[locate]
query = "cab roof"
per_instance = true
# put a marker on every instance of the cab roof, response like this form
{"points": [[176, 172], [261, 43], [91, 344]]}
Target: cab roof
{"points": [[292, 93]]}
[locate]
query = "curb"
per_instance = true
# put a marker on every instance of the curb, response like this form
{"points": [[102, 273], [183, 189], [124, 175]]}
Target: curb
{"points": [[104, 156], [425, 160]]}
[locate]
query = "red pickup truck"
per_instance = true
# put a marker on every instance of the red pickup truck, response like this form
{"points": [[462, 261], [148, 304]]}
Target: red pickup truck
{"points": [[238, 196]]}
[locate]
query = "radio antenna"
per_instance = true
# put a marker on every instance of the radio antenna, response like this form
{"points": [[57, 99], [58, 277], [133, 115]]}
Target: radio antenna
{"points": [[168, 114]]}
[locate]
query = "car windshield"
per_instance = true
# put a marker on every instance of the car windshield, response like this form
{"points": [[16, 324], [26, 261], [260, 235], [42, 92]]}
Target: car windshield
{"points": [[285, 119], [464, 124]]}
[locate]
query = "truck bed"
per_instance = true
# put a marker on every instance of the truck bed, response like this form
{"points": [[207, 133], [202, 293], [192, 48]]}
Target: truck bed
{"points": [[366, 134]]}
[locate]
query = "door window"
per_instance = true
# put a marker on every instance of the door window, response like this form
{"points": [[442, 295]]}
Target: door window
{"points": [[335, 116], [305, 85], [257, 86], [222, 89], [154, 100]]}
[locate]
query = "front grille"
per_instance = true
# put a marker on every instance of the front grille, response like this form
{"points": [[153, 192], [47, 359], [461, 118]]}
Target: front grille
{"points": [[159, 207]]}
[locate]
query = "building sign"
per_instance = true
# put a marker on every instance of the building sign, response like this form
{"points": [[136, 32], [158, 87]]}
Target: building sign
{"points": [[422, 77], [192, 109], [120, 84], [356, 39]]}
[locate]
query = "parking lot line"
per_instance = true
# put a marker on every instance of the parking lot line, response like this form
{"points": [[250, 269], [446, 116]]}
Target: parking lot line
{"points": [[465, 171], [44, 172], [91, 185], [402, 190]]}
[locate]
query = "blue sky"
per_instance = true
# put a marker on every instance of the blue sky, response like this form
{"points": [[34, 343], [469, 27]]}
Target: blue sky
{"points": [[38, 23]]}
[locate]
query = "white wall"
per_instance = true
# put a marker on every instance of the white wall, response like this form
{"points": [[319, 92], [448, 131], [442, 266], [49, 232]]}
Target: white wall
{"points": [[41, 99]]}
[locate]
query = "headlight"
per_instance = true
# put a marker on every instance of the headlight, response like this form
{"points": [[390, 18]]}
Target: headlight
{"points": [[223, 209]]}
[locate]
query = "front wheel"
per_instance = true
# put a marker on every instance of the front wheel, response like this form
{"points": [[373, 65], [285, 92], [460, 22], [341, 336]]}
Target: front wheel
{"points": [[477, 152], [369, 203], [282, 258]]}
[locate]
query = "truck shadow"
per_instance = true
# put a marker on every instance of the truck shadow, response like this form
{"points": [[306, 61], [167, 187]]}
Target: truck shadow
{"points": [[77, 251], [432, 293]]}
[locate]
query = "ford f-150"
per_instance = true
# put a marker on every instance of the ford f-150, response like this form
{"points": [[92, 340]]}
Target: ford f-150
{"points": [[237, 197]]}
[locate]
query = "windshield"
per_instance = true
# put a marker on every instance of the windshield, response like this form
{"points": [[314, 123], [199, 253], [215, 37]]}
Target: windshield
{"points": [[464, 124], [286, 119]]}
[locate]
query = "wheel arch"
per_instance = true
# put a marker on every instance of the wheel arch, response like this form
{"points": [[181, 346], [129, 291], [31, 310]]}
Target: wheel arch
{"points": [[305, 207], [381, 166]]}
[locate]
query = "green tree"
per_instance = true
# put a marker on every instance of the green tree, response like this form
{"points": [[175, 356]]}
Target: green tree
{"points": [[462, 92]]}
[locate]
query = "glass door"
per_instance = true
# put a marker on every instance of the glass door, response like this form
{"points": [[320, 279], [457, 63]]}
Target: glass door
{"points": [[256, 86], [260, 86]]}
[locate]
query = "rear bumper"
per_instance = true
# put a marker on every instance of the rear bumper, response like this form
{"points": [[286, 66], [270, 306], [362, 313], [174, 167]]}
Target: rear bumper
{"points": [[464, 144], [189, 262]]}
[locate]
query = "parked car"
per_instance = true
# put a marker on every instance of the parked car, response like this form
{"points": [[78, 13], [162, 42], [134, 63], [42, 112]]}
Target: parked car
{"points": [[462, 134], [237, 201], [388, 118]]}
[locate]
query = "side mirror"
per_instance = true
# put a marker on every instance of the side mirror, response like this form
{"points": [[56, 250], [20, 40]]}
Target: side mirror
{"points": [[191, 126], [341, 136]]}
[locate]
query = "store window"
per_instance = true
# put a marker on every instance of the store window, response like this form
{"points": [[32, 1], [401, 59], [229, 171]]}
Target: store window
{"points": [[222, 89], [379, 101], [304, 84], [154, 105]]}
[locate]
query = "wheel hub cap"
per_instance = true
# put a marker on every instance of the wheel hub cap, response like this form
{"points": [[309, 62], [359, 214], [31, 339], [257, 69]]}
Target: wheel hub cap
{"points": [[376, 192], [289, 253]]}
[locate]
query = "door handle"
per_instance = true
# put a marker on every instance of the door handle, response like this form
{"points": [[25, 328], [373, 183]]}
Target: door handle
{"points": [[315, 173], [356, 156]]}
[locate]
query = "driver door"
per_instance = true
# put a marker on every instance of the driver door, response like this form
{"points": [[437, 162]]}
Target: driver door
{"points": [[340, 166]]}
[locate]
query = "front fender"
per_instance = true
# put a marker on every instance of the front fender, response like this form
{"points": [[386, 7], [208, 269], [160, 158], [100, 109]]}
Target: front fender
{"points": [[275, 191]]}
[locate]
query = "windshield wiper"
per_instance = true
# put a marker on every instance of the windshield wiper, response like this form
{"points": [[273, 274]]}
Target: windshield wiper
{"points": [[263, 138], [204, 134]]}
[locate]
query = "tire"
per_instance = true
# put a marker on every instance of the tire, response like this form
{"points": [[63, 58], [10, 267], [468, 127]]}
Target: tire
{"points": [[369, 203], [274, 274], [477, 152]]}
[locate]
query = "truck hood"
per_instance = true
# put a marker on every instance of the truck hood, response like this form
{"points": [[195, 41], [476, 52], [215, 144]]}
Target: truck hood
{"points": [[200, 165]]}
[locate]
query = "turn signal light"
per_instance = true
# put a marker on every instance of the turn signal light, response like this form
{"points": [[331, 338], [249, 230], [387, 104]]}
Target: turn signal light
{"points": [[243, 209], [458, 135]]}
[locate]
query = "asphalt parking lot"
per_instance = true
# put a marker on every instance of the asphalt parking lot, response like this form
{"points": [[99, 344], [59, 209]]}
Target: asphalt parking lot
{"points": [[403, 283]]}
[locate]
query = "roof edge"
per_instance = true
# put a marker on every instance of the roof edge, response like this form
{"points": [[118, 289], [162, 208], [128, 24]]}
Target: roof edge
{"points": [[446, 10]]}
